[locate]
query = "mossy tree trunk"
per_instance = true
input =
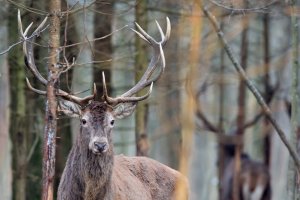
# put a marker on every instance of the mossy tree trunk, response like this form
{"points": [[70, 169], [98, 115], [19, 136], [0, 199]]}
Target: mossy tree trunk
{"points": [[80, 28], [102, 48], [141, 63], [241, 115], [49, 146], [19, 123], [5, 142], [293, 173]]}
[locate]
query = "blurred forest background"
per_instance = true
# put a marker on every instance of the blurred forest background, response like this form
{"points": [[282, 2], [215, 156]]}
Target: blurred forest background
{"points": [[200, 115]]}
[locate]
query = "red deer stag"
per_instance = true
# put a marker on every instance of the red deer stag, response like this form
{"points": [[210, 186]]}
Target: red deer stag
{"points": [[254, 180], [92, 171]]}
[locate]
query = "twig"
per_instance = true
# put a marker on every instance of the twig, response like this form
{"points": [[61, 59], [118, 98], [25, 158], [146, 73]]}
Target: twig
{"points": [[253, 121], [70, 11], [100, 38], [32, 10], [85, 32], [11, 46], [208, 125], [250, 85], [33, 147], [261, 9], [94, 62], [22, 40]]}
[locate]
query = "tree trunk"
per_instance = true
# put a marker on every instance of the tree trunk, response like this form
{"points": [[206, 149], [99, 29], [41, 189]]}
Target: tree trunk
{"points": [[103, 48], [5, 143], [167, 148], [266, 124], [65, 136], [19, 128], [49, 146], [241, 115], [81, 29], [293, 174], [221, 85], [141, 61], [189, 100]]}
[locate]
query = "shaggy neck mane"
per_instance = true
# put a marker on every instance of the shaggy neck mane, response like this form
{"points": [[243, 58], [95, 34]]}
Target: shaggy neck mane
{"points": [[97, 169]]}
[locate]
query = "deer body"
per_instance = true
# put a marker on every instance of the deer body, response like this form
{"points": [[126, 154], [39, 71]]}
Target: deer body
{"points": [[93, 176]]}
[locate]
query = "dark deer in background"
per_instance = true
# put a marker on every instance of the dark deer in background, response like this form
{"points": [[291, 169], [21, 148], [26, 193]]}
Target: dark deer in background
{"points": [[251, 179], [92, 170], [254, 178]]}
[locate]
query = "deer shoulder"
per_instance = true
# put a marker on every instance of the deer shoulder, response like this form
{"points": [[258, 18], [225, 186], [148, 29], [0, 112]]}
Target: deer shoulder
{"points": [[158, 181]]}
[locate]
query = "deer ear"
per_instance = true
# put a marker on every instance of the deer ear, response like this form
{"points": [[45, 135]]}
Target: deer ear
{"points": [[69, 108], [124, 110]]}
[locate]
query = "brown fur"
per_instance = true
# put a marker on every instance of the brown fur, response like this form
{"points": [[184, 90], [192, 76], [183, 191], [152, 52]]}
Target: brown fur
{"points": [[254, 174], [90, 176]]}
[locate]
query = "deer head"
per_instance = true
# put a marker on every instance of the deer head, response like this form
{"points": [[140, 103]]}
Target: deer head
{"points": [[97, 117]]}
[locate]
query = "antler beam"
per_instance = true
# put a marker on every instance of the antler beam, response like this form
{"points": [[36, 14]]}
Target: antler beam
{"points": [[157, 63]]}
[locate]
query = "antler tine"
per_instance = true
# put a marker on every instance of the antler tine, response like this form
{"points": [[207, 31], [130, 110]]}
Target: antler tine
{"points": [[27, 29], [40, 27], [116, 101], [168, 31], [158, 59], [20, 26], [109, 100], [140, 35], [162, 35], [145, 36], [78, 100], [34, 89], [28, 48]]}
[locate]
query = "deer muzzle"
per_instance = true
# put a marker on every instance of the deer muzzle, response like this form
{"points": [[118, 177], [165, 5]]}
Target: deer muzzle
{"points": [[100, 147]]}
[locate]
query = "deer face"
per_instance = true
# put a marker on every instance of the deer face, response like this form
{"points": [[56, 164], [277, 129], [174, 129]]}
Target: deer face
{"points": [[96, 123], [97, 120]]}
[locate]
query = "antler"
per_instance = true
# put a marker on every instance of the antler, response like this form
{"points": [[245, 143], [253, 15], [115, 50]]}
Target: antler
{"points": [[147, 79], [30, 63]]}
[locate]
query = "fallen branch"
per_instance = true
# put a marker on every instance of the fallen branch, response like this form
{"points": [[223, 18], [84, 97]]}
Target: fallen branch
{"points": [[250, 85]]}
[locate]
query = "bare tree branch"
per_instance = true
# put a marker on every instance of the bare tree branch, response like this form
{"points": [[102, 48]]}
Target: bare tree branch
{"points": [[253, 121], [260, 9], [206, 122], [100, 38], [30, 9], [208, 125]]}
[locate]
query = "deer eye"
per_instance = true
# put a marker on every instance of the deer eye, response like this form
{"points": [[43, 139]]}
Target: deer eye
{"points": [[83, 121], [112, 122]]}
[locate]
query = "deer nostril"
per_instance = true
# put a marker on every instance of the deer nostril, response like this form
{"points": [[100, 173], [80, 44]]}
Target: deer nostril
{"points": [[100, 146]]}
